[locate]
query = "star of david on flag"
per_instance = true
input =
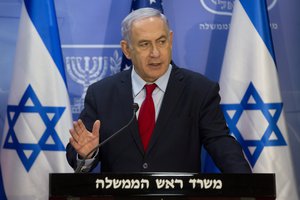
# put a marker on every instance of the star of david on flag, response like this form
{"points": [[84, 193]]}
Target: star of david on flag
{"points": [[38, 112], [250, 96], [271, 112], [49, 116]]}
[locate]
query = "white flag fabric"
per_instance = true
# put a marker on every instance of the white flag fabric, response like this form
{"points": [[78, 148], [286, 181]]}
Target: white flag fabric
{"points": [[251, 98], [38, 111]]}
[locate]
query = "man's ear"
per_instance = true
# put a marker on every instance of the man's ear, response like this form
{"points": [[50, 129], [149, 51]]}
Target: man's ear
{"points": [[171, 38], [125, 48]]}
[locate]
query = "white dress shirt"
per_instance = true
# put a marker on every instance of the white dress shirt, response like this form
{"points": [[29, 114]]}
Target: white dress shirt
{"points": [[139, 92]]}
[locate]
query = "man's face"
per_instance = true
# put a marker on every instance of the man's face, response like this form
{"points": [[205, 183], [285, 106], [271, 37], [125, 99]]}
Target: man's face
{"points": [[150, 49]]}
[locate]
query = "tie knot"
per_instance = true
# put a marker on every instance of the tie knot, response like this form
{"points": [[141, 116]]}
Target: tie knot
{"points": [[150, 88]]}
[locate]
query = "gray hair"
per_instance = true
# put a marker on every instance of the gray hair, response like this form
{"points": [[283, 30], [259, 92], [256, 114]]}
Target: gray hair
{"points": [[136, 15]]}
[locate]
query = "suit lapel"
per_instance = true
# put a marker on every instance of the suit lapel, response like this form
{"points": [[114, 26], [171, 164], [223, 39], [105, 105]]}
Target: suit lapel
{"points": [[174, 89], [127, 101]]}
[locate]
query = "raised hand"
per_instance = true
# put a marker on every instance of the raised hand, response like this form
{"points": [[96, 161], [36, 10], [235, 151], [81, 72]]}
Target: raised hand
{"points": [[82, 140]]}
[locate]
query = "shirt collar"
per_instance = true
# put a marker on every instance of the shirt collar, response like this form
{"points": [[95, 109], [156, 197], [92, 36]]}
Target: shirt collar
{"points": [[138, 83]]}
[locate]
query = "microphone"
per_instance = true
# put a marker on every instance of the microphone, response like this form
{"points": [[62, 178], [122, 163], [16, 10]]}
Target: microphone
{"points": [[79, 168]]}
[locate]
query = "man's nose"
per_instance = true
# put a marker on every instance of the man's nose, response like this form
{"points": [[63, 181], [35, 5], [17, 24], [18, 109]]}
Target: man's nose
{"points": [[154, 51]]}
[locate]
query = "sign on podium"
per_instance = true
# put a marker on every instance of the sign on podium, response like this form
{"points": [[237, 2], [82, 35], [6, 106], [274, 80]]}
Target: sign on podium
{"points": [[161, 186]]}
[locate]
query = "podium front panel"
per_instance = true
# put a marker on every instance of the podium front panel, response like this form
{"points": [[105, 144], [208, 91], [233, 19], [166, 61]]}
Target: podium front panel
{"points": [[166, 185]]}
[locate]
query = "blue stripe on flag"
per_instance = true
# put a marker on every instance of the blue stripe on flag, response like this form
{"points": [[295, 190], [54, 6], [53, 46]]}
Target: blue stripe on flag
{"points": [[44, 19], [2, 191], [258, 14]]}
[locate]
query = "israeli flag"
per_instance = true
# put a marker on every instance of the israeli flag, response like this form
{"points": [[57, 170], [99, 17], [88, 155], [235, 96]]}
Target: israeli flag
{"points": [[38, 111], [251, 98]]}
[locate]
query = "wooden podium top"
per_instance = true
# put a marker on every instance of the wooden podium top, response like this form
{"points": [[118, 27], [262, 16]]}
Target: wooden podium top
{"points": [[167, 185]]}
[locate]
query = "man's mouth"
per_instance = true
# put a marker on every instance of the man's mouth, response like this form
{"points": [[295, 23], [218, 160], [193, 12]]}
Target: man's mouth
{"points": [[154, 64]]}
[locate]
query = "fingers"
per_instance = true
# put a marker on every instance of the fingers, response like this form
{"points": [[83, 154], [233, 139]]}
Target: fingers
{"points": [[81, 139], [96, 128], [79, 132], [74, 134], [79, 127], [74, 143]]}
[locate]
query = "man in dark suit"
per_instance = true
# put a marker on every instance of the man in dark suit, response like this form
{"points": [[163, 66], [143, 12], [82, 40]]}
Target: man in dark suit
{"points": [[186, 112]]}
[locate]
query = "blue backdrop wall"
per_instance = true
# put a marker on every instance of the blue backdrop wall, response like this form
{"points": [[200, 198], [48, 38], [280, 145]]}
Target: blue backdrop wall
{"points": [[90, 35]]}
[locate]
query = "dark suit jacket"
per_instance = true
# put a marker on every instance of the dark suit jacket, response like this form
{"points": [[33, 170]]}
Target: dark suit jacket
{"points": [[190, 117]]}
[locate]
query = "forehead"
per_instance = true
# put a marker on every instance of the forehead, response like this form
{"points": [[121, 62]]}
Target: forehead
{"points": [[148, 28]]}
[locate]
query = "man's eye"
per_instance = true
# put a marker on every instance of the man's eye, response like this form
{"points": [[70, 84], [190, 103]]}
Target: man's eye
{"points": [[162, 42], [144, 44]]}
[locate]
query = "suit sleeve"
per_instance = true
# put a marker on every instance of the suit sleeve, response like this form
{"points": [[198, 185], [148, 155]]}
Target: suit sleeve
{"points": [[88, 116], [222, 147]]}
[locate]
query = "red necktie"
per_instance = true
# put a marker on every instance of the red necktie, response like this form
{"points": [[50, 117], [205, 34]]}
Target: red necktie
{"points": [[147, 116]]}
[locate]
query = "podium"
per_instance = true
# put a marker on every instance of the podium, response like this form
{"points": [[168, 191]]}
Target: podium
{"points": [[190, 186]]}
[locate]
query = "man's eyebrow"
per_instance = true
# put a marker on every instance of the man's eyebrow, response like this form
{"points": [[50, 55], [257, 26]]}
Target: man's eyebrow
{"points": [[162, 37], [145, 40]]}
